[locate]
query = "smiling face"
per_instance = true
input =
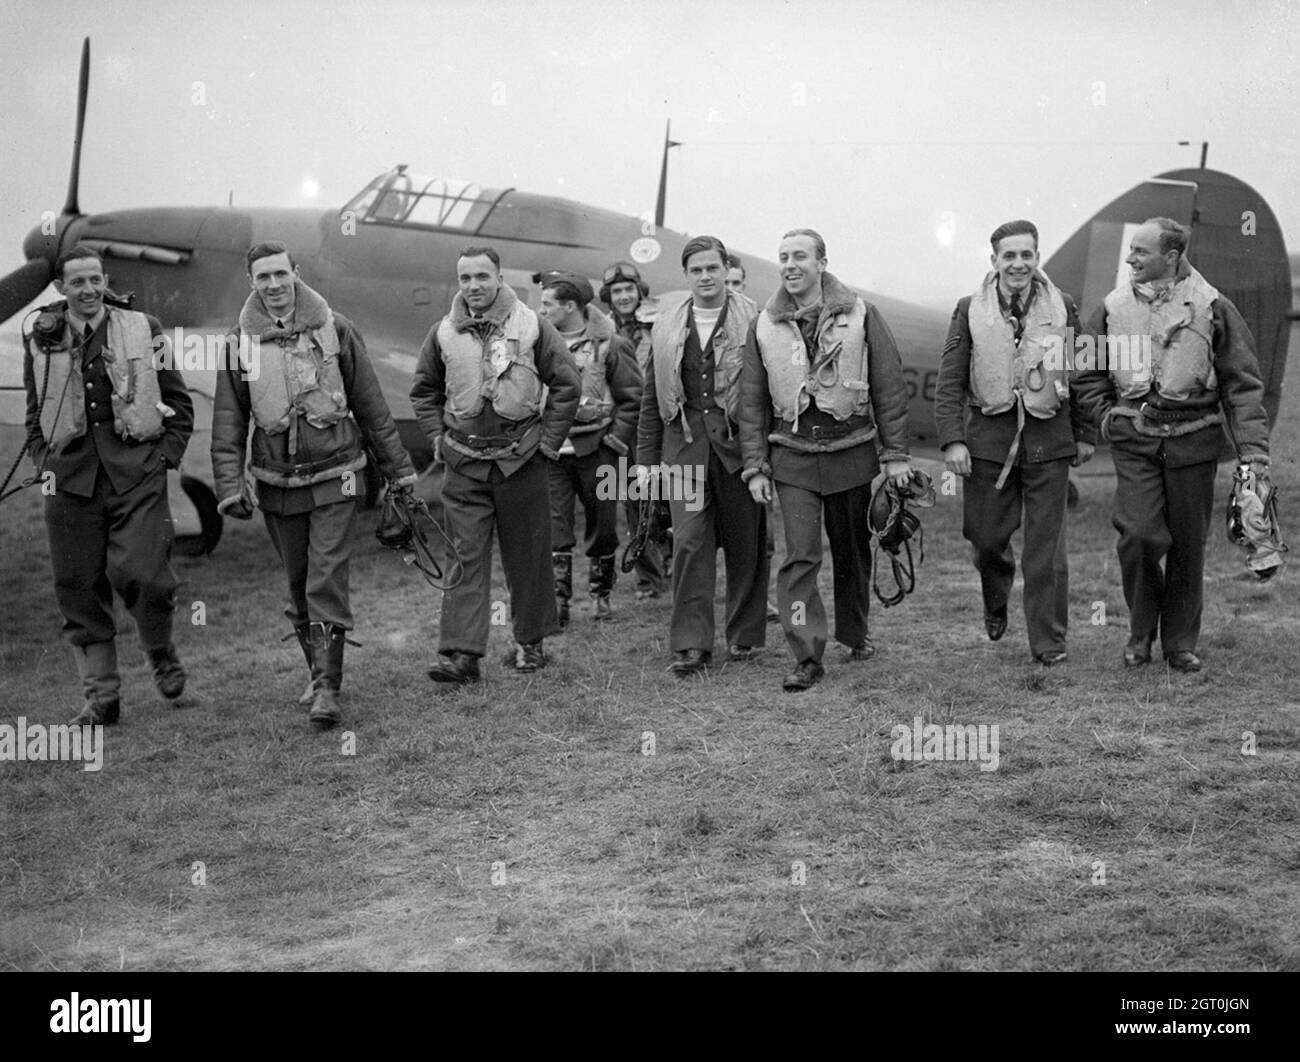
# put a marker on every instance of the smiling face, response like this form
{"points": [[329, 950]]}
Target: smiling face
{"points": [[479, 281], [1144, 257], [1015, 260], [706, 273], [801, 269], [83, 284], [273, 279], [624, 297]]}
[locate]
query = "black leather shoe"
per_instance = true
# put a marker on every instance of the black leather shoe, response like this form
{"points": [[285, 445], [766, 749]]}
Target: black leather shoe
{"points": [[1051, 659], [690, 662], [1183, 660], [98, 713], [741, 653], [995, 623], [455, 667], [1137, 652], [803, 677], [527, 658], [168, 674], [864, 650]]}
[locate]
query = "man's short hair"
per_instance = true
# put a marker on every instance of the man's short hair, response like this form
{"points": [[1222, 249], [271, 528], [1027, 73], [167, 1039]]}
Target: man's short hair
{"points": [[265, 250], [734, 262], [816, 237], [1173, 236], [1020, 227], [474, 252], [696, 244], [567, 291], [81, 250]]}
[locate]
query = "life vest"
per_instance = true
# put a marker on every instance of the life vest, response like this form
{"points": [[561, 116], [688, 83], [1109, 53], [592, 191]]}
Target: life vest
{"points": [[596, 407], [668, 342], [839, 383], [299, 376], [1173, 337], [505, 374], [1002, 372], [131, 355]]}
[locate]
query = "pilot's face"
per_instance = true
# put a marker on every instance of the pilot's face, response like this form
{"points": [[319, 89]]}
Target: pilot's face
{"points": [[479, 280], [706, 272], [736, 279], [801, 269], [558, 312], [625, 297], [83, 284], [272, 278], [1015, 260], [1145, 259]]}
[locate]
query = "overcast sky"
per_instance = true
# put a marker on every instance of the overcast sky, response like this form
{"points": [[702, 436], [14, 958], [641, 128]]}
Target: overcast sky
{"points": [[904, 132]]}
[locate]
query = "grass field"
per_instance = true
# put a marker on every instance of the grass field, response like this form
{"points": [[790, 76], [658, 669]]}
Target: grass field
{"points": [[523, 826]]}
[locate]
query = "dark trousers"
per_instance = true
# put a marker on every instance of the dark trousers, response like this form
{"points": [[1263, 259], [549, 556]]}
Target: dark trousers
{"points": [[110, 542], [803, 617], [1163, 514], [574, 479], [519, 508], [723, 514], [992, 516], [315, 548]]}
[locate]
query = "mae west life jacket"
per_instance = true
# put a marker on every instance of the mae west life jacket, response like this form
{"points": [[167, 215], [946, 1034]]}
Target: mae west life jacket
{"points": [[1169, 340], [668, 343], [596, 406], [299, 376], [504, 374], [839, 383], [131, 355], [1003, 372]]}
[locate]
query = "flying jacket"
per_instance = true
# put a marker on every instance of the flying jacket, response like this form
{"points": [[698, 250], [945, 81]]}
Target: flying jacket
{"points": [[322, 452], [837, 377], [1186, 428], [611, 387], [549, 360], [668, 341], [882, 425], [132, 363]]}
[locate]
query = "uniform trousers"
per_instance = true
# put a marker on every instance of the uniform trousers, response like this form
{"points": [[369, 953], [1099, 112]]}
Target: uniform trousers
{"points": [[518, 507], [803, 616], [575, 479], [722, 513], [1163, 514], [992, 516], [109, 542], [315, 548]]}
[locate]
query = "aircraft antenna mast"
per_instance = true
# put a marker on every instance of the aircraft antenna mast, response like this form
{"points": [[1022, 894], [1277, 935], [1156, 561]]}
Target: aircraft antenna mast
{"points": [[669, 142]]}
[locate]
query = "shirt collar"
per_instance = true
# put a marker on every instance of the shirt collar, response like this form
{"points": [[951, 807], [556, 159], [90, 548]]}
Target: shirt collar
{"points": [[80, 322]]}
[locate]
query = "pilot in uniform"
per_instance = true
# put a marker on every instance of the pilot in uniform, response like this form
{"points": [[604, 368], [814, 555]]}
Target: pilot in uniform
{"points": [[689, 410], [495, 392], [627, 297], [1005, 363], [1191, 371], [822, 388], [115, 418], [604, 428], [314, 401]]}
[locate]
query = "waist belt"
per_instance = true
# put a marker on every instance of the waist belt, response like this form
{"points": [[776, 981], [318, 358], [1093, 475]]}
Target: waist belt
{"points": [[480, 442], [495, 447], [1151, 412]]}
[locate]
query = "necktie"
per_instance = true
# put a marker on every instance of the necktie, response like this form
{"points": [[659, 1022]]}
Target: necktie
{"points": [[1016, 318]]}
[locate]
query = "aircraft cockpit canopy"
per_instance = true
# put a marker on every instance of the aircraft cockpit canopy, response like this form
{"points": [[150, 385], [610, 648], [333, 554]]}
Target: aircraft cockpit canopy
{"points": [[401, 198]]}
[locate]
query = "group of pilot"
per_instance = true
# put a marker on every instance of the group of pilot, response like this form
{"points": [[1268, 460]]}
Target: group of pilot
{"points": [[714, 403]]}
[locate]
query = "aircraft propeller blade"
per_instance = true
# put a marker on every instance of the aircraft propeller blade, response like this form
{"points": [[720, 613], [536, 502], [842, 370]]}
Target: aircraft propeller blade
{"points": [[71, 206], [23, 285]]}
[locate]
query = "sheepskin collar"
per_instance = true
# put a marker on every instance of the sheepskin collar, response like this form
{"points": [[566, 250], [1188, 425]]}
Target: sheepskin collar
{"points": [[836, 298], [463, 321], [310, 312]]}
